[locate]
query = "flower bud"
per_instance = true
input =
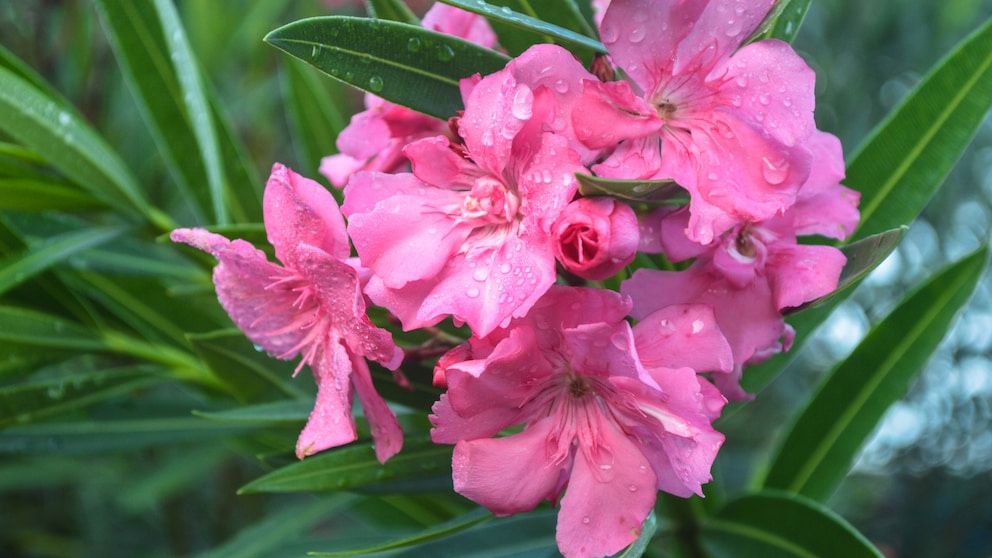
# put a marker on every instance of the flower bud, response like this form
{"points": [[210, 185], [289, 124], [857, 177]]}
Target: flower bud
{"points": [[596, 237]]}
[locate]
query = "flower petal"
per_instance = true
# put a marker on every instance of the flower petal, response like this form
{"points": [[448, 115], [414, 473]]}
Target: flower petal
{"points": [[300, 211], [330, 424]]}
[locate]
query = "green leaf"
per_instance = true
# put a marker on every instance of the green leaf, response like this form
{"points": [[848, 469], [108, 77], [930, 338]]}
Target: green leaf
{"points": [[660, 192], [70, 145], [16, 269], [506, 15], [393, 10], [198, 110], [30, 331], [457, 525], [783, 22], [136, 35], [183, 471], [249, 374], [904, 161], [278, 412], [355, 466], [33, 400], [401, 63], [774, 524], [862, 257], [96, 436], [822, 443], [26, 194], [265, 537], [316, 115], [525, 535]]}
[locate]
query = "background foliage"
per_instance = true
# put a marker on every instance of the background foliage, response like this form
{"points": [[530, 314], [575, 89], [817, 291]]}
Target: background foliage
{"points": [[136, 421]]}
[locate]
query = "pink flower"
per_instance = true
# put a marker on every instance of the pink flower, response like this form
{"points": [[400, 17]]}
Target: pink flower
{"points": [[375, 137], [730, 121], [596, 237], [611, 414], [468, 233], [755, 270], [312, 305]]}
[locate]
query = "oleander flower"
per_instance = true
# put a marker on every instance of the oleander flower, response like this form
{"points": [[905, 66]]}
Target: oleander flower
{"points": [[596, 237], [727, 122], [611, 414], [312, 305]]}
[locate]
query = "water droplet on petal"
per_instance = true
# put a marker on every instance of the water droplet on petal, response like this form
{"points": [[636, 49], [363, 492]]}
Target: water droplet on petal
{"points": [[472, 292], [775, 172], [561, 86], [487, 138], [632, 488], [523, 104], [585, 520], [481, 274], [637, 34]]}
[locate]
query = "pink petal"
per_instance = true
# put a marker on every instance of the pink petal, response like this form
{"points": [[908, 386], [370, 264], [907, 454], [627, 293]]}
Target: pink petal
{"points": [[507, 475], [330, 424], [683, 335], [803, 273], [386, 432], [597, 121], [242, 278], [495, 112], [824, 206], [603, 509], [301, 211], [768, 83], [436, 164], [460, 23], [335, 285]]}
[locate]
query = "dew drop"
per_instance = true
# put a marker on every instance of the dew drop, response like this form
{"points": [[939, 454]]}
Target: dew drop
{"points": [[315, 52], [472, 292], [505, 268], [774, 172], [632, 487], [480, 274], [697, 326], [523, 104], [63, 118], [487, 138], [585, 520], [413, 45], [763, 98], [712, 176], [637, 34], [561, 86], [742, 81], [375, 84], [444, 53]]}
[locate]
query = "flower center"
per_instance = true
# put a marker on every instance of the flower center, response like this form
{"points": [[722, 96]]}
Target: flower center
{"points": [[665, 110], [579, 386], [491, 200]]}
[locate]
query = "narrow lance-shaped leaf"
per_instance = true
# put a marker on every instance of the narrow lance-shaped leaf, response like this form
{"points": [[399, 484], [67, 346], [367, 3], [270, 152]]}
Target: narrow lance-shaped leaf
{"points": [[404, 64], [355, 466], [506, 15], [136, 35], [30, 401], [393, 10], [783, 21], [26, 194], [457, 525], [657, 192], [904, 161], [70, 145], [525, 535], [822, 443], [773, 524], [264, 538], [200, 115], [16, 269], [249, 374]]}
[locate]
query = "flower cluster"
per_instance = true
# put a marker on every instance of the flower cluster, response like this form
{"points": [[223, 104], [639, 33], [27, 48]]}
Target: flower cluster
{"points": [[557, 396]]}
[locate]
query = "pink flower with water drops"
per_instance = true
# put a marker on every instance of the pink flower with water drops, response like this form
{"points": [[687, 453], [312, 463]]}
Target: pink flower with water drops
{"points": [[468, 233], [754, 271], [727, 122], [311, 305], [611, 414]]}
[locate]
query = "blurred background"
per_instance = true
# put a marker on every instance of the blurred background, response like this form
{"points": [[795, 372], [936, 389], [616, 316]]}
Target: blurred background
{"points": [[921, 488]]}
